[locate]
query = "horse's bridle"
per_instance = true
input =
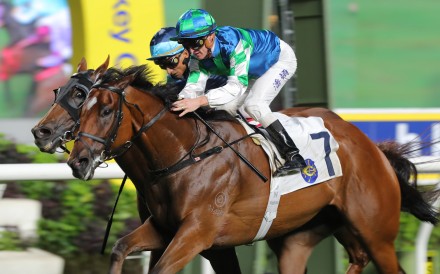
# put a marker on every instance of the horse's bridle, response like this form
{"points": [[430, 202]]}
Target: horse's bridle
{"points": [[81, 81], [108, 153]]}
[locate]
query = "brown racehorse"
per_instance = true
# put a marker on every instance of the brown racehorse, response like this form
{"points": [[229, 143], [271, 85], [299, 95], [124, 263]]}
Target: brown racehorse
{"points": [[185, 217], [58, 125]]}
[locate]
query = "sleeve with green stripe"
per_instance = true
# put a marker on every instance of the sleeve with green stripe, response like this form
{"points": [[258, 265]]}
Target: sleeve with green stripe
{"points": [[196, 83], [237, 81]]}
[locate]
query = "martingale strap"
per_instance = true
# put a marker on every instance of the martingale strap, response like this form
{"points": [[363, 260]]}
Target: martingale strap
{"points": [[110, 219]]}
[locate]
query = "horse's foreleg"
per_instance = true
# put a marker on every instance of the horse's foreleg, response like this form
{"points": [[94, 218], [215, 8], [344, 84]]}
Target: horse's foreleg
{"points": [[145, 237], [189, 241]]}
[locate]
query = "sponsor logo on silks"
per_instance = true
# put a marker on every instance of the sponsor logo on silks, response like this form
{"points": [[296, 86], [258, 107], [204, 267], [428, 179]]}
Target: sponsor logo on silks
{"points": [[309, 173]]}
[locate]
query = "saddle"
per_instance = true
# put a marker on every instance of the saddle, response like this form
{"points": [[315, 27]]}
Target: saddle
{"points": [[317, 146], [316, 143]]}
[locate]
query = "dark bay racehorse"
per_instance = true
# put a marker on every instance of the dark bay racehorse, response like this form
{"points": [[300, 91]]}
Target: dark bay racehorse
{"points": [[59, 123], [188, 217]]}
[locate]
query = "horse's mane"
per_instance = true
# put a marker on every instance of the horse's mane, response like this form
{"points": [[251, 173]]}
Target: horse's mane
{"points": [[168, 93], [141, 81]]}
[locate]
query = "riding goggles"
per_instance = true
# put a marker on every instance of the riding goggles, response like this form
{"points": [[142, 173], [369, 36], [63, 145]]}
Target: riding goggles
{"points": [[194, 44], [169, 62]]}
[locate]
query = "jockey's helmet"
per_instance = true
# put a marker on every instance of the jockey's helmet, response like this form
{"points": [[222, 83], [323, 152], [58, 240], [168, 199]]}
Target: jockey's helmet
{"points": [[161, 46], [194, 23]]}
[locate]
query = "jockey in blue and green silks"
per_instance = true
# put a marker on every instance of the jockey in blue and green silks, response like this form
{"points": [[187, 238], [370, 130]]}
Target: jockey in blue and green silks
{"points": [[257, 64]]}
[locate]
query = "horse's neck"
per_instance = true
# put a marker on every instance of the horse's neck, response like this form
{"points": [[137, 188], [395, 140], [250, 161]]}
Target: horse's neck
{"points": [[158, 148], [168, 140]]}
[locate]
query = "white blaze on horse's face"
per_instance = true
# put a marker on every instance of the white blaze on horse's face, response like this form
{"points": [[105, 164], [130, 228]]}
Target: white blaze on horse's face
{"points": [[91, 103]]}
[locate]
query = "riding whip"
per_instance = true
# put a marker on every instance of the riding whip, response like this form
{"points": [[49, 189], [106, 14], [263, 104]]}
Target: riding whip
{"points": [[246, 161]]}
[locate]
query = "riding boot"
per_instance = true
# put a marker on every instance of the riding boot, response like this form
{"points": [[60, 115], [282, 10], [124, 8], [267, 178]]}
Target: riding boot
{"points": [[287, 148]]}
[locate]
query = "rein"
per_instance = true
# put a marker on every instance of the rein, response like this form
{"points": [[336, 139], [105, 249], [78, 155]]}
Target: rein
{"points": [[123, 148]]}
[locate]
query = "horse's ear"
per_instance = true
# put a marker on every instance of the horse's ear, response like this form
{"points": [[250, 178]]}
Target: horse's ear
{"points": [[106, 62], [102, 68], [82, 66]]}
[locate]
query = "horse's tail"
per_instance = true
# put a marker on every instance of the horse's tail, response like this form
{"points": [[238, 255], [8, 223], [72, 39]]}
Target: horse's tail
{"points": [[413, 201]]}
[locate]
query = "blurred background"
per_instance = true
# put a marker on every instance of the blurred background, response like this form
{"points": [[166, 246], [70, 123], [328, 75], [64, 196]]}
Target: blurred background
{"points": [[376, 63]]}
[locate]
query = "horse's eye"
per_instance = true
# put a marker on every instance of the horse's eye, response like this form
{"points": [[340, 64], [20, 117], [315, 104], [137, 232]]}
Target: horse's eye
{"points": [[80, 94], [106, 112], [78, 98]]}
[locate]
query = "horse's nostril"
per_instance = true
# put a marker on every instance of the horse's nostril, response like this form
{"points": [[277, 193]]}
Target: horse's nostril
{"points": [[41, 132], [83, 162]]}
